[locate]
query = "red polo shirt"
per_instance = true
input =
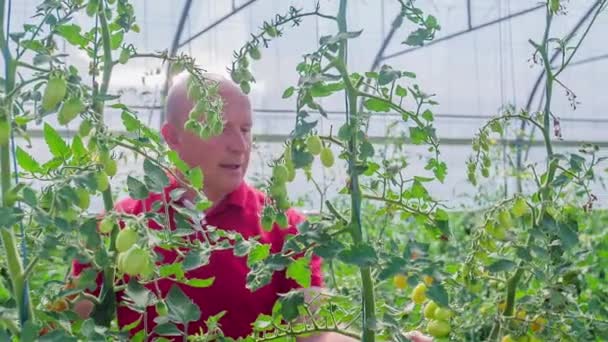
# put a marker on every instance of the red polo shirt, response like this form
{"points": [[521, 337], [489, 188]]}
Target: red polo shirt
{"points": [[239, 211]]}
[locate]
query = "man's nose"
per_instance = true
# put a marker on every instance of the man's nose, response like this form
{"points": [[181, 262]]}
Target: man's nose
{"points": [[237, 142]]}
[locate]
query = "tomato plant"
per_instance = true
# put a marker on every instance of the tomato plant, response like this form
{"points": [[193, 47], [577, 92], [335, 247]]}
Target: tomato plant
{"points": [[527, 266]]}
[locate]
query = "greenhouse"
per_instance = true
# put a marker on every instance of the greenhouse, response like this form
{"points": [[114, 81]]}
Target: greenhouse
{"points": [[422, 170]]}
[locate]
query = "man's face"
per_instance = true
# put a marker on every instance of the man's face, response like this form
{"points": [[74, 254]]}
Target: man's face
{"points": [[224, 158]]}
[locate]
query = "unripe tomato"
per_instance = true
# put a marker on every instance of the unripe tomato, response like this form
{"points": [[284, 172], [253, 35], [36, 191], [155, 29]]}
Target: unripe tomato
{"points": [[280, 173], [439, 328], [428, 280], [314, 144], [102, 181], [327, 157], [443, 314], [135, 261], [282, 220], [521, 315], [106, 225], [507, 338], [267, 222], [120, 262], [419, 293], [125, 239], [291, 172], [69, 110], [400, 281], [504, 219], [54, 93], [83, 198], [538, 324], [430, 310], [282, 203], [520, 207], [278, 190], [85, 128], [254, 53], [124, 56], [110, 167]]}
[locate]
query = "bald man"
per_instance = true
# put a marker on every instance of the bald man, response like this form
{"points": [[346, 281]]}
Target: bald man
{"points": [[224, 160]]}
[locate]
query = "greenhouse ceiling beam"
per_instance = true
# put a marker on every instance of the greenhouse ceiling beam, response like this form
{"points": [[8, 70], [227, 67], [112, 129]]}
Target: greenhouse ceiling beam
{"points": [[470, 26], [390, 114], [280, 138], [463, 32], [217, 22], [589, 60]]}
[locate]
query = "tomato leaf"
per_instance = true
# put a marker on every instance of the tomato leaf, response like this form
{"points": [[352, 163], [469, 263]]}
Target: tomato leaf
{"points": [[258, 253], [137, 189], [290, 303], [299, 271], [438, 294], [168, 329], [200, 283], [181, 308], [155, 178], [57, 146], [26, 161], [501, 265]]}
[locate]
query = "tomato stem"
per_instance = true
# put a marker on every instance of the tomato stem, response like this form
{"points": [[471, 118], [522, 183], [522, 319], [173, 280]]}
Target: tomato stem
{"points": [[106, 310], [13, 260], [352, 119]]}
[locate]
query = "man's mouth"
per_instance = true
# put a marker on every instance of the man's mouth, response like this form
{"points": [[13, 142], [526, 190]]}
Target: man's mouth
{"points": [[230, 166]]}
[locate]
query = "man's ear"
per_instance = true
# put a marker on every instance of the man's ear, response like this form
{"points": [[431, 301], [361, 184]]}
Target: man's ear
{"points": [[170, 134]]}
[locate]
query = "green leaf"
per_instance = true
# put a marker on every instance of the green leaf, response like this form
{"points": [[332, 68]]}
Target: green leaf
{"points": [[137, 189], [387, 75], [427, 115], [377, 105], [299, 271], [438, 294], [168, 329], [195, 176], [200, 283], [360, 255], [130, 121], [58, 335], [55, 142], [258, 253], [177, 161], [567, 233], [290, 303], [116, 40], [400, 91], [155, 178], [418, 135], [139, 295], [26, 161], [501, 265], [78, 147], [181, 308], [71, 33], [288, 92], [195, 259], [172, 269]]}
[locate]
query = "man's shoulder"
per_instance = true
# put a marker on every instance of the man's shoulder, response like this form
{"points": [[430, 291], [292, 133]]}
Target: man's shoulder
{"points": [[129, 205]]}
